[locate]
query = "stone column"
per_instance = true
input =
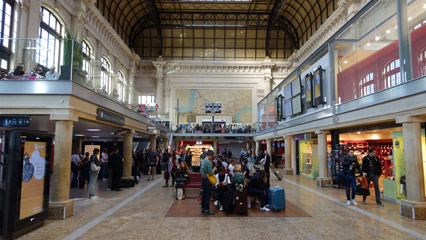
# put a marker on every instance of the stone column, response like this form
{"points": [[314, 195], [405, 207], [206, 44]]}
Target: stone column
{"points": [[159, 96], [288, 147], [61, 207], [267, 77], [153, 141], [293, 155], [269, 147], [415, 205], [215, 147], [257, 146], [127, 154], [323, 178], [247, 145]]}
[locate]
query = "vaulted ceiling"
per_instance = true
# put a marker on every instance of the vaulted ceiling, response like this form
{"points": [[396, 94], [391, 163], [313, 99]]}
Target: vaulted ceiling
{"points": [[216, 29]]}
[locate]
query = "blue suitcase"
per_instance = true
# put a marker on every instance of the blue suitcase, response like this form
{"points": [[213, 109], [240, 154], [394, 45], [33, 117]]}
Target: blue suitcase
{"points": [[277, 199]]}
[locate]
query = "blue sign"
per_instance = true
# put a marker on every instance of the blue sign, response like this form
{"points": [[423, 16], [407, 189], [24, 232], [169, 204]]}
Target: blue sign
{"points": [[15, 121]]}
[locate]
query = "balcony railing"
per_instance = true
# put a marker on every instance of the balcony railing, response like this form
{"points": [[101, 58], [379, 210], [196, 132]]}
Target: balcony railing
{"points": [[67, 60]]}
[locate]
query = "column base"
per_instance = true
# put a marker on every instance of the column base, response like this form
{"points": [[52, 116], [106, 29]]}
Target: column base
{"points": [[323, 181], [288, 171], [61, 210], [413, 210]]}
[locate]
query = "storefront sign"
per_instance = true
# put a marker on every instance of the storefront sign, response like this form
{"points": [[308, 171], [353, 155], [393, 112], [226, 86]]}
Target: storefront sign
{"points": [[199, 142], [305, 136], [110, 117], [33, 170], [15, 121]]}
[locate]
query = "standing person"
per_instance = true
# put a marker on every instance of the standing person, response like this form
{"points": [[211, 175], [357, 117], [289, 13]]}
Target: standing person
{"points": [[350, 163], [229, 154], [188, 159], [169, 169], [75, 166], [95, 166], [104, 165], [250, 160], [267, 164], [203, 154], [372, 169], [259, 155], [84, 171], [243, 152], [135, 168], [153, 161], [115, 159], [225, 153], [206, 168]]}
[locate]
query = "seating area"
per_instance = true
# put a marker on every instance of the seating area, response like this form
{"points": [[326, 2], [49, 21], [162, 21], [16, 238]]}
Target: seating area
{"points": [[194, 181]]}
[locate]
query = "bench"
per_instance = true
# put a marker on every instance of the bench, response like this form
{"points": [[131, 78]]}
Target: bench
{"points": [[194, 181]]}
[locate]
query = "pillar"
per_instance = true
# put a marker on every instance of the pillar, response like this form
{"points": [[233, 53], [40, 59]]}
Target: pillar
{"points": [[247, 146], [61, 207], [159, 96], [215, 148], [269, 146], [415, 205], [287, 169], [153, 141], [323, 178], [293, 156], [127, 154], [257, 147]]}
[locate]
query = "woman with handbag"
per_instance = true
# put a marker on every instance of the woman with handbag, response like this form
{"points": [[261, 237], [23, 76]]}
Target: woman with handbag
{"points": [[182, 174], [95, 166]]}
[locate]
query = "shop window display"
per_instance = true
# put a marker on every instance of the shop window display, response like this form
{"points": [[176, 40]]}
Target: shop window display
{"points": [[308, 158]]}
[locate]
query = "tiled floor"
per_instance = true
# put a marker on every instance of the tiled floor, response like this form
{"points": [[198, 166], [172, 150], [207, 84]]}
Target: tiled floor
{"points": [[140, 213]]}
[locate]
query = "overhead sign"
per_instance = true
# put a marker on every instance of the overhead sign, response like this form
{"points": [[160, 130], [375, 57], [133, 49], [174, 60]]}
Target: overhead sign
{"points": [[14, 121], [107, 116]]}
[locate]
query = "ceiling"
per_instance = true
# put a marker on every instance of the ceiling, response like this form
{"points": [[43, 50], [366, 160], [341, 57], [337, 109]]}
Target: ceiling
{"points": [[216, 29]]}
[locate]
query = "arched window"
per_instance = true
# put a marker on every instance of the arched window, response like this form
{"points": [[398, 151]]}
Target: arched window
{"points": [[366, 84], [87, 59], [121, 86], [6, 10], [105, 75], [50, 35], [391, 74]]}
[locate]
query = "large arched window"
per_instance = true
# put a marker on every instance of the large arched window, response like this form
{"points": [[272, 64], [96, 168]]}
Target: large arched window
{"points": [[121, 86], [87, 59], [6, 20], [391, 74], [50, 35], [106, 75]]}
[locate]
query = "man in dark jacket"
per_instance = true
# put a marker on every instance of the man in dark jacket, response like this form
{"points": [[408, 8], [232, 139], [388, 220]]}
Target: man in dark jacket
{"points": [[350, 163], [267, 164], [115, 160], [229, 154], [258, 186], [372, 169]]}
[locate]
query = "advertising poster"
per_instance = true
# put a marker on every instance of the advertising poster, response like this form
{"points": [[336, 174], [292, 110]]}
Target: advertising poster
{"points": [[33, 170], [90, 148]]}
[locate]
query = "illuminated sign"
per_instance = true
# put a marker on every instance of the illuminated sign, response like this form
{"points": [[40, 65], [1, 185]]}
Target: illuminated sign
{"points": [[199, 142]]}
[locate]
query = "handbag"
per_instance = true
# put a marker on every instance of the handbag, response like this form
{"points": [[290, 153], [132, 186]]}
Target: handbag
{"points": [[262, 161], [211, 177], [94, 167]]}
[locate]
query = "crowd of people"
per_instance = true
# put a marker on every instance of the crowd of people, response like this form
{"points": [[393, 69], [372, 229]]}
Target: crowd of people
{"points": [[218, 128], [36, 73]]}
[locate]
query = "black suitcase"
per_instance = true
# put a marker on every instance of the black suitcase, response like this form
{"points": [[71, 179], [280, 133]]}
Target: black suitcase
{"points": [[241, 202], [228, 200], [127, 183]]}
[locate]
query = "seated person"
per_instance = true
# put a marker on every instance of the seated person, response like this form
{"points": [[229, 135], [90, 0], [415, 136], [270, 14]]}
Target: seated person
{"points": [[181, 176], [222, 181], [19, 71], [51, 74], [238, 177], [258, 186]]}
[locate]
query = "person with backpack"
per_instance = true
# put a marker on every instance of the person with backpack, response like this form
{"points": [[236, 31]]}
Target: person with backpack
{"points": [[223, 181], [350, 164], [95, 167], [372, 169]]}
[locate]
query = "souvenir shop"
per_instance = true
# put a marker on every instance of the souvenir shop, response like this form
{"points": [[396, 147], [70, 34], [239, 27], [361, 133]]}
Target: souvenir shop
{"points": [[195, 147], [388, 142]]}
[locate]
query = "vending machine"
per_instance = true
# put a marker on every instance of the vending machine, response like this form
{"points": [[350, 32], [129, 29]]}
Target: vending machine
{"points": [[25, 181]]}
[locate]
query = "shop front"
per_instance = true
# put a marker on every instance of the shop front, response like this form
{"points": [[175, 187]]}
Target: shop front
{"points": [[307, 152], [389, 145], [195, 147]]}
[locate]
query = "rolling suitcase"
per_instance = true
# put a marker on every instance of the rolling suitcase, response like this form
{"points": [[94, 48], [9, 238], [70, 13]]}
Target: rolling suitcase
{"points": [[228, 200], [277, 174], [277, 199], [241, 207]]}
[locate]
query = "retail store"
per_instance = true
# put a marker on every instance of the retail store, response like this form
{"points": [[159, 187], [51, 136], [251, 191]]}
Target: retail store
{"points": [[195, 147], [307, 154], [388, 142]]}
